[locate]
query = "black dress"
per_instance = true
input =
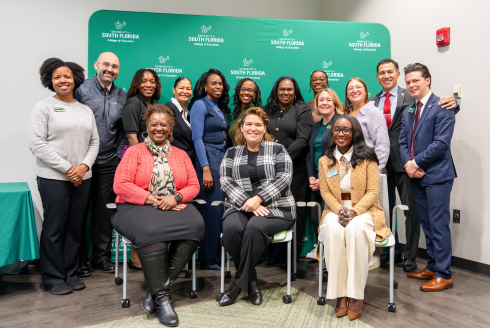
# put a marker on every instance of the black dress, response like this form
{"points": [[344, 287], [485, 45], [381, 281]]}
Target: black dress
{"points": [[292, 128], [182, 133]]}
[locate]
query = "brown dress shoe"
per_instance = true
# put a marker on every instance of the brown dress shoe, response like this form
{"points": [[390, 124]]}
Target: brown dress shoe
{"points": [[424, 274], [437, 284], [353, 315], [339, 312]]}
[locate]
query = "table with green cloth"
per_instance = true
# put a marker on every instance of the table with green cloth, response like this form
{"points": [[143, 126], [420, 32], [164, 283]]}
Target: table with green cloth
{"points": [[18, 234]]}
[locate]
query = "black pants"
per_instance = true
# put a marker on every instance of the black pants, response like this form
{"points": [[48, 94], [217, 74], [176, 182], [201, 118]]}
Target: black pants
{"points": [[245, 237], [300, 190], [403, 184], [63, 205], [101, 193]]}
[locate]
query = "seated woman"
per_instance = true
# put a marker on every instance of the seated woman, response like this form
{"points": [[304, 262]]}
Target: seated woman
{"points": [[255, 180], [349, 184], [153, 183]]}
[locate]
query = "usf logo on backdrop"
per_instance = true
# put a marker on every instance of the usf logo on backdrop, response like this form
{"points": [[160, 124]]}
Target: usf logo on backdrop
{"points": [[247, 71], [206, 40], [166, 71], [287, 43], [120, 36], [163, 59], [332, 74], [364, 44]]}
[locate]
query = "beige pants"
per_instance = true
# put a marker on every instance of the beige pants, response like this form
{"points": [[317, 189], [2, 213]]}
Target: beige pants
{"points": [[347, 254]]}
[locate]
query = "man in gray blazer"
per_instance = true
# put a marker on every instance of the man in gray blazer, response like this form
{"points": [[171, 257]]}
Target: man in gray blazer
{"points": [[392, 101]]}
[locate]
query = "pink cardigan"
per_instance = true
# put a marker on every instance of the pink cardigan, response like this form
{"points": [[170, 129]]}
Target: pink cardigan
{"points": [[134, 172]]}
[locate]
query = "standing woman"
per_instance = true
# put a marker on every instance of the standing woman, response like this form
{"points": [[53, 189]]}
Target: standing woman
{"points": [[178, 105], [247, 94], [63, 136], [290, 124], [144, 90], [327, 105], [372, 121], [318, 81], [210, 117]]}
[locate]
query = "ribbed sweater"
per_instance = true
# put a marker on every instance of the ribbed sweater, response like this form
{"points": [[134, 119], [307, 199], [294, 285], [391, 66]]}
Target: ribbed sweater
{"points": [[134, 173]]}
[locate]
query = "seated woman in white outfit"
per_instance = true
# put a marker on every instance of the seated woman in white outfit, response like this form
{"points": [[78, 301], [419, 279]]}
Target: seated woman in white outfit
{"points": [[349, 184]]}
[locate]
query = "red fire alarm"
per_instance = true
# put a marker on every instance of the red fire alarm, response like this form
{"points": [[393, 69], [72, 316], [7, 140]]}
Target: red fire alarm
{"points": [[443, 37]]}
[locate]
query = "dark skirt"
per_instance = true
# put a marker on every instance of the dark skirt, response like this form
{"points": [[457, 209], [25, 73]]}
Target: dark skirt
{"points": [[144, 225]]}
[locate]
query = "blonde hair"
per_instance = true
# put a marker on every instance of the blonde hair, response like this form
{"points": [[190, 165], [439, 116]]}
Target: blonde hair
{"points": [[339, 107], [348, 104], [239, 137]]}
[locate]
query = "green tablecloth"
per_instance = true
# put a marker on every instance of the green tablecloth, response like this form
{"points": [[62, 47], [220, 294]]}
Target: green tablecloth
{"points": [[18, 235]]}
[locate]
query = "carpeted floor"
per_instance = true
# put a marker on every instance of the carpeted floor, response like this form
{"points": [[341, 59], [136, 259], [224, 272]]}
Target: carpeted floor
{"points": [[302, 312]]}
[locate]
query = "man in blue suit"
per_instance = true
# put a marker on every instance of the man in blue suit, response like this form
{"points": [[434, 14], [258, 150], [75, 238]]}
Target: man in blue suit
{"points": [[425, 148]]}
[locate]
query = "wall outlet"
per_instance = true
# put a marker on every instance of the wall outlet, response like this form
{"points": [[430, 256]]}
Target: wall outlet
{"points": [[456, 216]]}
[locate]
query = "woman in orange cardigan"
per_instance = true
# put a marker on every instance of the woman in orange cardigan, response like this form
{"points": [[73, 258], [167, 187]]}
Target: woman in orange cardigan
{"points": [[153, 183], [349, 184]]}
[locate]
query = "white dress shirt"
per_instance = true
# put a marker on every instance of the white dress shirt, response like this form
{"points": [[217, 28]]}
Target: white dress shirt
{"points": [[181, 110], [345, 182]]}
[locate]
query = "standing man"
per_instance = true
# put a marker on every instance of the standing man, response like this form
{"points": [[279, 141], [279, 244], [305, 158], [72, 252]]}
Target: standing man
{"points": [[391, 102], [106, 101], [425, 150]]}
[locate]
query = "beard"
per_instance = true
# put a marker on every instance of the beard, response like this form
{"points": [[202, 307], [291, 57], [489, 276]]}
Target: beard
{"points": [[105, 78]]}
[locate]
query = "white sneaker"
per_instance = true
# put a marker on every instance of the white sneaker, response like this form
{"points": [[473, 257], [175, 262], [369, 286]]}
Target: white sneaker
{"points": [[374, 263], [312, 254]]}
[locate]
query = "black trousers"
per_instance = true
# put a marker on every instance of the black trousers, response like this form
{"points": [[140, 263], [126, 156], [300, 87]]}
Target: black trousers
{"points": [[63, 205], [402, 182], [101, 193], [245, 237], [300, 190]]}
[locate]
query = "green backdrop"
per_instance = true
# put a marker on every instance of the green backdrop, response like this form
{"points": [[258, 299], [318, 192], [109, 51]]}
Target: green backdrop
{"points": [[262, 49]]}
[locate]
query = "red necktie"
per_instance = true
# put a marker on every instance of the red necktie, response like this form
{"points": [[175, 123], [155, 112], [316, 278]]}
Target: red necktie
{"points": [[387, 109], [415, 123]]}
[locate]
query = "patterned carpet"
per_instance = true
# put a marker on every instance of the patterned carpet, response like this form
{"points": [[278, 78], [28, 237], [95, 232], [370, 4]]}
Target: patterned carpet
{"points": [[302, 312]]}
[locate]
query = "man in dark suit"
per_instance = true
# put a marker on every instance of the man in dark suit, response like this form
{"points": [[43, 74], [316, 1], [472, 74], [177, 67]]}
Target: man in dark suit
{"points": [[425, 150], [391, 101]]}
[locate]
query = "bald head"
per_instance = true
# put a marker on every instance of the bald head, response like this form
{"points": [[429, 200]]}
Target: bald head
{"points": [[107, 67]]}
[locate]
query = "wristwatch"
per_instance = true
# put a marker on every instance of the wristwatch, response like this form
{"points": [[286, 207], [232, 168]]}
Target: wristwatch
{"points": [[178, 197]]}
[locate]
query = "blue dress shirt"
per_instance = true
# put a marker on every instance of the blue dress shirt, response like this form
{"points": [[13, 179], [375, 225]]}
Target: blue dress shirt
{"points": [[393, 98]]}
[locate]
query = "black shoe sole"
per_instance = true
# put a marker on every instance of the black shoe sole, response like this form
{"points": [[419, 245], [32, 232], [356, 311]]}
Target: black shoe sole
{"points": [[68, 291], [409, 270], [133, 266], [107, 271], [85, 275]]}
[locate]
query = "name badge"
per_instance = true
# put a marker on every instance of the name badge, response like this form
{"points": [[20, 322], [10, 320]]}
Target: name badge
{"points": [[332, 173], [59, 109], [411, 110]]}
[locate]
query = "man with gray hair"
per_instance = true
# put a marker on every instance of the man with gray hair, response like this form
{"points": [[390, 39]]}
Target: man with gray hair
{"points": [[106, 100]]}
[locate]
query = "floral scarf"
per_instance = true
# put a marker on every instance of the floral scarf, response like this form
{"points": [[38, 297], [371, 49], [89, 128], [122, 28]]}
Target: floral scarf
{"points": [[162, 180]]}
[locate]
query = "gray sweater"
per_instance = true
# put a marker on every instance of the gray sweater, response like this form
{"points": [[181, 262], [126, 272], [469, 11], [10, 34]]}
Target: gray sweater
{"points": [[62, 135]]}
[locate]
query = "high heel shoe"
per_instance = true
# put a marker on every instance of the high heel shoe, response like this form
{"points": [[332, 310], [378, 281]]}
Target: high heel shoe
{"points": [[229, 297], [353, 315], [339, 312]]}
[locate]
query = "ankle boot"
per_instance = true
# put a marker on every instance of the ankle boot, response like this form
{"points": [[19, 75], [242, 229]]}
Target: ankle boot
{"points": [[157, 275], [147, 303], [229, 297], [254, 293], [180, 255]]}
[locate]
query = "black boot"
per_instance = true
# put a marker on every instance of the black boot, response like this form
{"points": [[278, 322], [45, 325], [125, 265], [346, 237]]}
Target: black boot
{"points": [[147, 303], [254, 293], [157, 275], [180, 254], [231, 294]]}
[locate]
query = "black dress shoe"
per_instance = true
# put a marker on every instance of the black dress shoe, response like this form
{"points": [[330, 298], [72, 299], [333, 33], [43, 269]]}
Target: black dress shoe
{"points": [[254, 293], [385, 263], [409, 265], [273, 261], [105, 266], [84, 270], [76, 284], [229, 297], [61, 289], [134, 266]]}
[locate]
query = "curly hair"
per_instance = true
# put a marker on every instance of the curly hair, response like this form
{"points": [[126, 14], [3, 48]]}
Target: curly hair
{"points": [[339, 107], [348, 104], [318, 70], [272, 102], [51, 64], [361, 151], [240, 138], [135, 84], [237, 104], [160, 108], [199, 92]]}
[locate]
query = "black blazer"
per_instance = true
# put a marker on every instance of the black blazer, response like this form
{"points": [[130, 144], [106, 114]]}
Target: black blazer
{"points": [[182, 133], [403, 101], [310, 158]]}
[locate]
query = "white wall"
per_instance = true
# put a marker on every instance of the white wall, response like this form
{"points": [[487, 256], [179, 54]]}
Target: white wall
{"points": [[36, 30], [413, 26]]}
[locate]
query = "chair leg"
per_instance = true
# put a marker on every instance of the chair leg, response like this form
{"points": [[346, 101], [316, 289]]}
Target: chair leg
{"points": [[228, 272], [287, 298], [117, 280], [321, 299], [125, 301], [391, 305], [222, 278], [295, 253], [194, 291]]}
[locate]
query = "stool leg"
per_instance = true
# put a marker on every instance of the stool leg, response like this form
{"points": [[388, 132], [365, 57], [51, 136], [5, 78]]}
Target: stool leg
{"points": [[125, 300], [295, 250], [194, 291], [222, 290], [320, 300], [117, 257], [287, 298]]}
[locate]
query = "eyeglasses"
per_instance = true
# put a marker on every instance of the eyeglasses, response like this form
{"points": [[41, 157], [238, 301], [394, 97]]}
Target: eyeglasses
{"points": [[357, 87], [247, 90], [345, 130], [321, 79], [106, 65]]}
